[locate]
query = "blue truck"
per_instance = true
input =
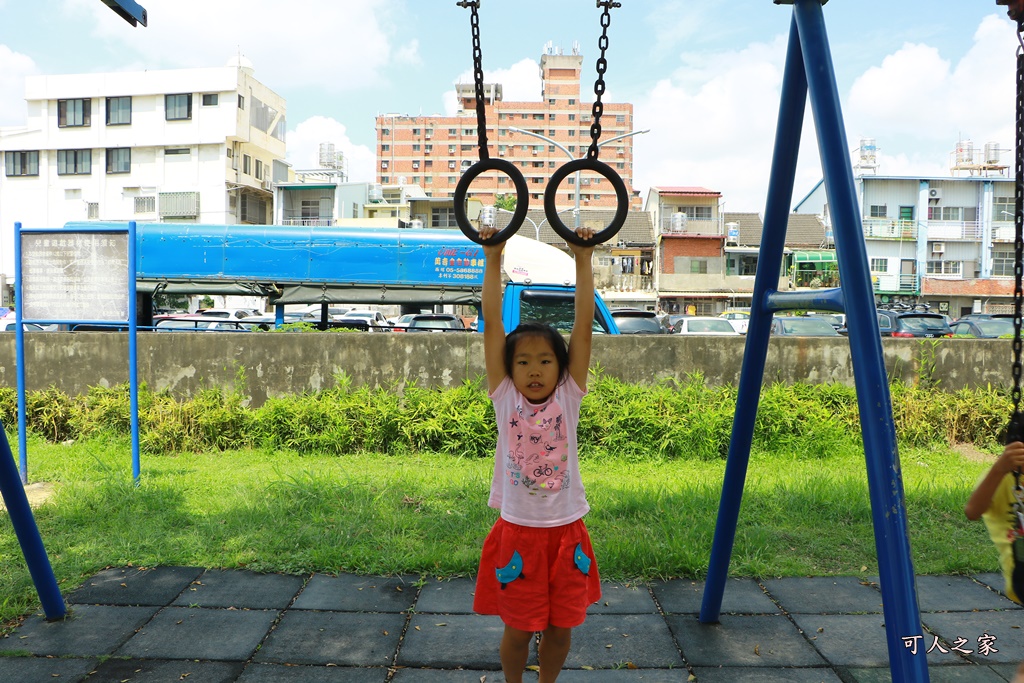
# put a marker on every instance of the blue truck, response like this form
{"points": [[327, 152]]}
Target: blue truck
{"points": [[352, 265]]}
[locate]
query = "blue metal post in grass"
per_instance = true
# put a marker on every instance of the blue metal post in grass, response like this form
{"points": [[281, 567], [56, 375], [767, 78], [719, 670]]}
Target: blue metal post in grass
{"points": [[13, 491], [769, 264], [19, 359], [133, 354], [809, 48]]}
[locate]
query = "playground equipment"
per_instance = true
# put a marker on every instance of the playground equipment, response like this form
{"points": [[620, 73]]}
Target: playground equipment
{"points": [[588, 163]]}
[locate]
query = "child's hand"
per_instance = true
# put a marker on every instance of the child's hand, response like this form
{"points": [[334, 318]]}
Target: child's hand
{"points": [[1012, 458], [583, 250], [490, 250]]}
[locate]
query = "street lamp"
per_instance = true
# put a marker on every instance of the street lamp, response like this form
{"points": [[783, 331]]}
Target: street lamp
{"points": [[536, 226], [571, 157]]}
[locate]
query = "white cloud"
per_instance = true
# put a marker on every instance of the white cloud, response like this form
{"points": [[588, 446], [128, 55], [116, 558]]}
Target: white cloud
{"points": [[304, 148], [324, 43], [14, 66]]}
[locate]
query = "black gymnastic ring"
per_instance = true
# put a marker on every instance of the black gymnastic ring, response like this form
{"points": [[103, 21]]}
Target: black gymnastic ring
{"points": [[621, 209], [522, 200]]}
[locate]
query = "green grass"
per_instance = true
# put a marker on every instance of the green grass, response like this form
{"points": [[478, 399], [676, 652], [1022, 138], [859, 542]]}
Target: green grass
{"points": [[426, 513]]}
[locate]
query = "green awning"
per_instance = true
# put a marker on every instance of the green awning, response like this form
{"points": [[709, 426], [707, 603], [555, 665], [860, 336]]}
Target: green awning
{"points": [[307, 186], [814, 256]]}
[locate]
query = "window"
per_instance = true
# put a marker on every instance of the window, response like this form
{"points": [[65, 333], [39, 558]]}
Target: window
{"points": [[145, 205], [92, 211], [177, 151], [877, 211], [254, 210], [1002, 262], [385, 131], [177, 107], [385, 148], [384, 165], [119, 111], [259, 170], [74, 161], [572, 117], [552, 101], [241, 102], [879, 265], [246, 164], [211, 99], [416, 147], [572, 101], [21, 163], [415, 131], [443, 218], [944, 267], [696, 213], [620, 118], [119, 160], [572, 133], [699, 266], [967, 214], [74, 113], [428, 148], [538, 117], [454, 131]]}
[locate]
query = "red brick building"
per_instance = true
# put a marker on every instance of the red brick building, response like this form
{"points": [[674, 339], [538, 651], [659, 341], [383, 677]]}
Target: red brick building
{"points": [[434, 151]]}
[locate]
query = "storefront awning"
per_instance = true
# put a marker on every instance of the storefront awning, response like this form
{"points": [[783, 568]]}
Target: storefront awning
{"points": [[822, 256]]}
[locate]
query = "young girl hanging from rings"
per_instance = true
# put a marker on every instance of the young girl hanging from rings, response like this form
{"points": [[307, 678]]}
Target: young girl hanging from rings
{"points": [[537, 569]]}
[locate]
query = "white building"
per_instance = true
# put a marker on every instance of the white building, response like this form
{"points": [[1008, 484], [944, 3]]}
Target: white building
{"points": [[184, 145]]}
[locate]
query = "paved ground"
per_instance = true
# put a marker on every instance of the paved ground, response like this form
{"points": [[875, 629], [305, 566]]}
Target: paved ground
{"points": [[210, 626]]}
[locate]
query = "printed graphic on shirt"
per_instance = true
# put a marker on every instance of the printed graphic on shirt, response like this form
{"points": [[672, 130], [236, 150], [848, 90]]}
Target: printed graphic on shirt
{"points": [[537, 453]]}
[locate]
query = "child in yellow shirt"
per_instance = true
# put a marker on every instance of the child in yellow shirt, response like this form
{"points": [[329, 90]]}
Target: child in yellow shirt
{"points": [[998, 499]]}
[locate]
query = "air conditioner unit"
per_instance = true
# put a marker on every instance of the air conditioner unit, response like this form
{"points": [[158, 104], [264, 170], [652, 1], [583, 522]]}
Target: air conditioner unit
{"points": [[938, 247], [934, 193]]}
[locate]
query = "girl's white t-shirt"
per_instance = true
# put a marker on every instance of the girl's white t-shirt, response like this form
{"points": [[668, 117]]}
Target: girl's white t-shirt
{"points": [[536, 466]]}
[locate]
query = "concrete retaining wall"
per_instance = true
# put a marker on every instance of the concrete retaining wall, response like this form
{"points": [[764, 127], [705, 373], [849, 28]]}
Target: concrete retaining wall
{"points": [[276, 364]]}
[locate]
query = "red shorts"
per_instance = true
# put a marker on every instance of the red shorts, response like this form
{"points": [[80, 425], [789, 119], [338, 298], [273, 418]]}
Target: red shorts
{"points": [[535, 577]]}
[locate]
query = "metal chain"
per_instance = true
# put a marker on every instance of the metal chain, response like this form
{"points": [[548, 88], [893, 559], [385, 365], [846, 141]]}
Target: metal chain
{"points": [[1018, 220], [478, 76], [602, 66]]}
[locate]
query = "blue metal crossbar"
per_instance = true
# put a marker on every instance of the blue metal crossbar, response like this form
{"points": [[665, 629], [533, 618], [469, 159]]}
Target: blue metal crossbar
{"points": [[809, 70], [129, 10]]}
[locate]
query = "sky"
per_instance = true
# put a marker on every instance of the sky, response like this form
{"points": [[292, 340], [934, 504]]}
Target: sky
{"points": [[704, 76]]}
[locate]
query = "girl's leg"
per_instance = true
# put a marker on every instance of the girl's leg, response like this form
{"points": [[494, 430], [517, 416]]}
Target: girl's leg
{"points": [[553, 649], [514, 651]]}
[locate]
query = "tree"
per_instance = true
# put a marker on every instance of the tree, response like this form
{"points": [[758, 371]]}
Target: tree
{"points": [[506, 201]]}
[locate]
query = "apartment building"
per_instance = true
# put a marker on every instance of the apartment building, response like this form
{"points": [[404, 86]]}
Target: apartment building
{"points": [[944, 241], [186, 145], [434, 151]]}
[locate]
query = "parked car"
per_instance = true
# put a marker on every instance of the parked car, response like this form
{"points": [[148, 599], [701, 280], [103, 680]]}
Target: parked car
{"points": [[8, 325], [635, 321], [990, 328], [202, 323], [402, 320], [912, 324], [832, 319], [705, 326], [434, 322], [738, 318], [233, 313], [370, 317], [802, 326], [671, 321]]}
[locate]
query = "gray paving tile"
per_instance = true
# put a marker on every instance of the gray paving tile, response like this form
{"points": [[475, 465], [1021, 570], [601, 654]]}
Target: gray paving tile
{"points": [[430, 637], [162, 671], [936, 674], [241, 589], [957, 593], [751, 674], [201, 633], [279, 673], [975, 627], [456, 676], [352, 593], [755, 640], [641, 639], [447, 596], [856, 640], [619, 598], [89, 630], [994, 580], [741, 596], [338, 638], [825, 595], [44, 669], [624, 675], [134, 586]]}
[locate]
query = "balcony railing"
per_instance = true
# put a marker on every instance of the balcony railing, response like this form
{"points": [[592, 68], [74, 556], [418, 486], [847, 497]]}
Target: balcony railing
{"points": [[890, 228], [310, 222], [954, 230], [895, 284], [708, 227]]}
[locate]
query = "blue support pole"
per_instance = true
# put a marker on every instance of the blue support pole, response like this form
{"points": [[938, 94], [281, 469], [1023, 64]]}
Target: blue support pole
{"points": [[25, 529], [769, 264], [885, 480], [19, 358], [133, 354]]}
